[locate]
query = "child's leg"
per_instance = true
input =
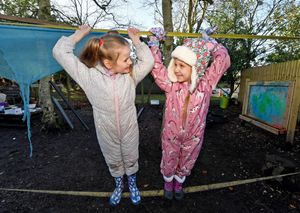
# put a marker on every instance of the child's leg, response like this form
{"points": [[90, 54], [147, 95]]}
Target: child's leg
{"points": [[130, 154], [134, 191], [116, 196], [168, 187], [130, 149], [169, 163], [178, 187], [170, 156], [112, 152], [188, 155]]}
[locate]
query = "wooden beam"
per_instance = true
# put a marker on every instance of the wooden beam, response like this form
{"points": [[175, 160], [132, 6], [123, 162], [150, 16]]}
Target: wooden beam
{"points": [[245, 95], [30, 20], [294, 109], [263, 125]]}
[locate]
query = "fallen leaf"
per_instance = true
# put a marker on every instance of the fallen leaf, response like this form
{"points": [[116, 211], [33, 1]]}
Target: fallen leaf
{"points": [[292, 206]]}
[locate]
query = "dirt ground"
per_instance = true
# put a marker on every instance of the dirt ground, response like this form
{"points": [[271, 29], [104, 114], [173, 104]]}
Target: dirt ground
{"points": [[71, 161]]}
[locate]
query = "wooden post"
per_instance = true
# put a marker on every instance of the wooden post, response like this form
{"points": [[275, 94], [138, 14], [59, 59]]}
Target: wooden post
{"points": [[246, 94], [292, 120]]}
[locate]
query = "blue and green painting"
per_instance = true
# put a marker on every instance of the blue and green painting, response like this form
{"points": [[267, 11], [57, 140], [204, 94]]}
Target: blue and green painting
{"points": [[269, 103]]}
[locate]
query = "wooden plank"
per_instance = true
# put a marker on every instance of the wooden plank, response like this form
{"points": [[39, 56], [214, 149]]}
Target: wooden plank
{"points": [[246, 95], [30, 20], [294, 109], [263, 125]]}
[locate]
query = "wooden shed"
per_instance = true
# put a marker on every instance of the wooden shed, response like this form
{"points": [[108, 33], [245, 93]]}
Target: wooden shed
{"points": [[271, 97]]}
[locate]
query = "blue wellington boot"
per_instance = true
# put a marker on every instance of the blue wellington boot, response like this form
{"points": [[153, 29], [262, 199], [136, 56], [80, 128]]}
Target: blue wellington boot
{"points": [[134, 192], [116, 196]]}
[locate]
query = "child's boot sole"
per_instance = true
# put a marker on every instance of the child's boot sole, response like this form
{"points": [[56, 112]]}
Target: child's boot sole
{"points": [[179, 195], [168, 194]]}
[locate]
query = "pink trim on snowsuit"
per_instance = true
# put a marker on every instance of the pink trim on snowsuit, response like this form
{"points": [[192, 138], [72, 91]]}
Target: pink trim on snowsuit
{"points": [[181, 143]]}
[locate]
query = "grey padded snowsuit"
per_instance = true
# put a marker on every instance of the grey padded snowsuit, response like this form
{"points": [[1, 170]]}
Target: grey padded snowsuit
{"points": [[113, 100]]}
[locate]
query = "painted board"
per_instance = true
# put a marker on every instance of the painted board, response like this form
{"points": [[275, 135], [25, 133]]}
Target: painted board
{"points": [[269, 102]]}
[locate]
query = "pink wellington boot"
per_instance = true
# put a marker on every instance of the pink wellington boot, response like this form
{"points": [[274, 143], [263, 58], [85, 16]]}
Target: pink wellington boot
{"points": [[168, 187], [178, 188], [168, 190]]}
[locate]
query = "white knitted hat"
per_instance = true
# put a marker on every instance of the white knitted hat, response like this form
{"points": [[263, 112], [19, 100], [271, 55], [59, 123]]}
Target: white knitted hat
{"points": [[195, 53]]}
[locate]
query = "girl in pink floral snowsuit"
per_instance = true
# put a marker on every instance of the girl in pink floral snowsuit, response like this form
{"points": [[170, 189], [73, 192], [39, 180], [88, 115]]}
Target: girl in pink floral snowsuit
{"points": [[188, 85]]}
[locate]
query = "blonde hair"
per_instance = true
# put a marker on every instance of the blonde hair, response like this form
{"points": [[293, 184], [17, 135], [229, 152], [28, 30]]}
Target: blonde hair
{"points": [[105, 47]]}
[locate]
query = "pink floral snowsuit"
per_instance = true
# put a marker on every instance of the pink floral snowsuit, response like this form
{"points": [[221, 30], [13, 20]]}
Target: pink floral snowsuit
{"points": [[181, 143]]}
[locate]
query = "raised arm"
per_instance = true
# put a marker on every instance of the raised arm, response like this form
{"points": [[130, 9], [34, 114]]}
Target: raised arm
{"points": [[145, 60], [63, 53], [221, 62], [159, 71]]}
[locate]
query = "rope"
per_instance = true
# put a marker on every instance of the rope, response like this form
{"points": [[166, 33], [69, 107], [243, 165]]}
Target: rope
{"points": [[174, 34], [154, 193]]}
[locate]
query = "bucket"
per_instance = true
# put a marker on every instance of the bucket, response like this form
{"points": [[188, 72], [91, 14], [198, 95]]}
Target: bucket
{"points": [[224, 102]]}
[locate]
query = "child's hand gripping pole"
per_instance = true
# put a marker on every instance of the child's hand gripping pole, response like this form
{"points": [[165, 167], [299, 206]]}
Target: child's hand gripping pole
{"points": [[81, 32], [133, 34], [159, 35], [211, 43]]}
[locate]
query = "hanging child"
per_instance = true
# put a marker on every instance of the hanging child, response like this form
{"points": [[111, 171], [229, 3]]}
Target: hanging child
{"points": [[188, 85], [107, 76]]}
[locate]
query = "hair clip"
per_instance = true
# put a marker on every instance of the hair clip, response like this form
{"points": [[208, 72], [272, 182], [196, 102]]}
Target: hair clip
{"points": [[101, 41]]}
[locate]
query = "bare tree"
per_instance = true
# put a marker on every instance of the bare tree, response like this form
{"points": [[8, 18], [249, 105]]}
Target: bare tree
{"points": [[187, 15], [255, 17], [92, 12], [178, 16], [168, 26]]}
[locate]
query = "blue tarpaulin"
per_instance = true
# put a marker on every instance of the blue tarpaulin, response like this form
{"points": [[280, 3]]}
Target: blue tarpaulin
{"points": [[26, 57]]}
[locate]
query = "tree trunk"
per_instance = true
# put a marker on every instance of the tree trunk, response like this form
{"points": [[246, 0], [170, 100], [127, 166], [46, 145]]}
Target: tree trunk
{"points": [[189, 18], [49, 119], [200, 21], [168, 26]]}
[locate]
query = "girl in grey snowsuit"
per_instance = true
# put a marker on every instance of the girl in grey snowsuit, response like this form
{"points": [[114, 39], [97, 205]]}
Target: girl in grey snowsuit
{"points": [[106, 74]]}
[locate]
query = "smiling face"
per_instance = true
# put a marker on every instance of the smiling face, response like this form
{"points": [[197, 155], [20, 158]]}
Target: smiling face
{"points": [[182, 71], [123, 63]]}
